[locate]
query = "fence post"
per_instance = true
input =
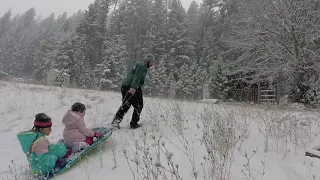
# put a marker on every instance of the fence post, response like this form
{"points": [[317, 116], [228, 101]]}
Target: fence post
{"points": [[277, 93], [259, 94]]}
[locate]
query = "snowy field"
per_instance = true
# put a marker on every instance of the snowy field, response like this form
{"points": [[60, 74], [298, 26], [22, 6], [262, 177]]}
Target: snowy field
{"points": [[180, 140]]}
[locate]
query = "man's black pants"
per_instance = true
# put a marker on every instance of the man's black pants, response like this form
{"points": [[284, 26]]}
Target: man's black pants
{"points": [[128, 99]]}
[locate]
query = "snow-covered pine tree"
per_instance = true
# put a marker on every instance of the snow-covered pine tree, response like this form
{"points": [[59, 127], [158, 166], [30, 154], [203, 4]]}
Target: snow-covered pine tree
{"points": [[313, 95], [155, 43], [158, 82], [65, 59], [193, 22], [18, 47], [5, 27], [71, 59], [180, 48], [190, 83], [5, 23], [46, 55], [80, 68], [72, 22], [56, 48], [93, 28], [109, 74], [132, 19], [218, 85]]}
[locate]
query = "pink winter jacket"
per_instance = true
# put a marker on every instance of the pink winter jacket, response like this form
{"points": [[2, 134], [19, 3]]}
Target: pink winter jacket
{"points": [[75, 129]]}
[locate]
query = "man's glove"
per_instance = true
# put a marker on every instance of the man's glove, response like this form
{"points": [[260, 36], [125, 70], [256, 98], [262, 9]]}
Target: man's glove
{"points": [[132, 91]]}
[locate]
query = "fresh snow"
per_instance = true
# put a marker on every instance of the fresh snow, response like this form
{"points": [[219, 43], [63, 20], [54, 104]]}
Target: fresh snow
{"points": [[180, 126]]}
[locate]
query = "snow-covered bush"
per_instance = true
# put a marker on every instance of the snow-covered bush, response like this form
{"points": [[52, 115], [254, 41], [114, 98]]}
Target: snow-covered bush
{"points": [[218, 85], [222, 133], [214, 137], [286, 132], [313, 95]]}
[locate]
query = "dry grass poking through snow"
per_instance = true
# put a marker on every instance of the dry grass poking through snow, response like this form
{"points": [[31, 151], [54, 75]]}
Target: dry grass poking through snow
{"points": [[179, 140], [208, 137], [289, 132]]}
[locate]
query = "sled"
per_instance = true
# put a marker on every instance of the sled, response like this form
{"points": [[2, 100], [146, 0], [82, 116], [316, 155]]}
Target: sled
{"points": [[77, 157]]}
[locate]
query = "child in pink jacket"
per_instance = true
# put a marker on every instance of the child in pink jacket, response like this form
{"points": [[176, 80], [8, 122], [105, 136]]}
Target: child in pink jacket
{"points": [[75, 130]]}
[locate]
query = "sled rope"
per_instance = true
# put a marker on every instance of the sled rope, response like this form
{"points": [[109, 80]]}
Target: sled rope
{"points": [[123, 103]]}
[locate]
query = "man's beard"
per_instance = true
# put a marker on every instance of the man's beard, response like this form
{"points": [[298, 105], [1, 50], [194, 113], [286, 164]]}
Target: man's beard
{"points": [[148, 64]]}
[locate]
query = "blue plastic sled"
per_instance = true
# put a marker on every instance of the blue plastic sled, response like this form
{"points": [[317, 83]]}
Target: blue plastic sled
{"points": [[107, 133]]}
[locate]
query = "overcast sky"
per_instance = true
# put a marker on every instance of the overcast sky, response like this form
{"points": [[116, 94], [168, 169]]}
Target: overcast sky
{"points": [[46, 7]]}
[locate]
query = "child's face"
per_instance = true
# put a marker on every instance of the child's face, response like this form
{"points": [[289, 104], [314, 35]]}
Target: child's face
{"points": [[46, 131]]}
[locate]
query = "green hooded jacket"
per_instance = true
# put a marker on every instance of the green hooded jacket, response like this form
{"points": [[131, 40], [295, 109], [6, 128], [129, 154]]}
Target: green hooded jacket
{"points": [[42, 163], [136, 77]]}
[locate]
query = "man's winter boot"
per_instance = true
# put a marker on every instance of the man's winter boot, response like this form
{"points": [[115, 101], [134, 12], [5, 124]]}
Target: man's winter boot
{"points": [[115, 124], [135, 126]]}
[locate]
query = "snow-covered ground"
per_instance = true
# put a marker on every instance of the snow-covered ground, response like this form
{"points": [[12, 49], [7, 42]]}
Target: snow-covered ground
{"points": [[180, 140]]}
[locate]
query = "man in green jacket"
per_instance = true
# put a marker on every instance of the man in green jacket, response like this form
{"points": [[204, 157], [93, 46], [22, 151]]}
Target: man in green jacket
{"points": [[132, 93]]}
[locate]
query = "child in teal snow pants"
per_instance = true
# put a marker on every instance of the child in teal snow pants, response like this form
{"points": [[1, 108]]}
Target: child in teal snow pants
{"points": [[42, 156]]}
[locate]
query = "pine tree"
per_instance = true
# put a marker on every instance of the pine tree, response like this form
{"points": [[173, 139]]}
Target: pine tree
{"points": [[181, 51], [80, 68], [71, 59], [313, 95], [190, 85], [110, 72], [45, 57], [5, 24], [93, 28], [132, 19], [184, 44], [158, 82], [65, 56], [218, 86], [193, 21], [18, 48]]}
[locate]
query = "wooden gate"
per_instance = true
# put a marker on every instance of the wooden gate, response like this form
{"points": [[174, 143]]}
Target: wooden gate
{"points": [[267, 95]]}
